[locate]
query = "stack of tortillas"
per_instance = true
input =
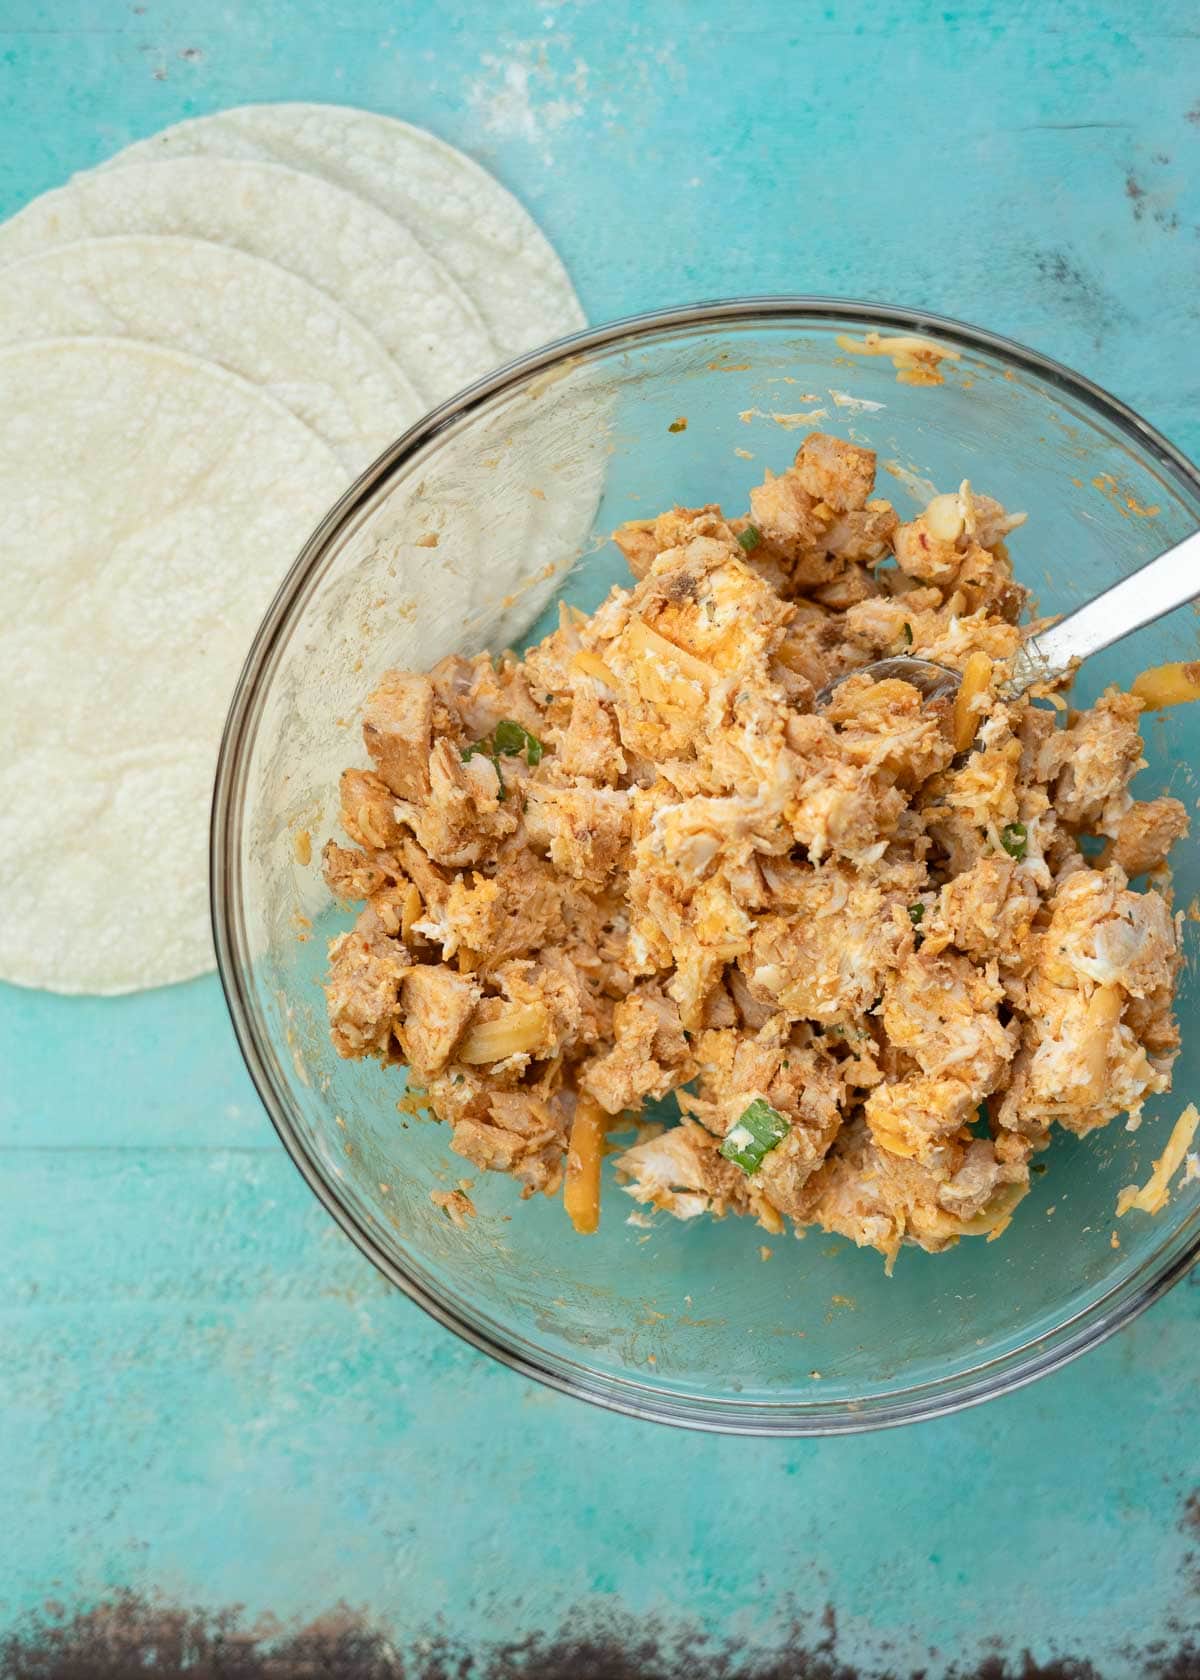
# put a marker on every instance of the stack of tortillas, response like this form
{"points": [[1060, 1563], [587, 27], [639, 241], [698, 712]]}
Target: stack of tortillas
{"points": [[201, 344]]}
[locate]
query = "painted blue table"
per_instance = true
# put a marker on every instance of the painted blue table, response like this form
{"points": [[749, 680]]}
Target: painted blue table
{"points": [[213, 1411]]}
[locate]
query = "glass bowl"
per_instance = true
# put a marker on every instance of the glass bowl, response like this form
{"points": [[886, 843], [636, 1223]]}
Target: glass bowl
{"points": [[464, 536]]}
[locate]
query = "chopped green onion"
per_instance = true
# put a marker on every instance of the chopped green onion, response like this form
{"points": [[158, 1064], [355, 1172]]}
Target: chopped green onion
{"points": [[513, 738], [758, 1131], [750, 538], [1013, 837], [510, 738], [679, 425], [908, 635], [916, 913]]}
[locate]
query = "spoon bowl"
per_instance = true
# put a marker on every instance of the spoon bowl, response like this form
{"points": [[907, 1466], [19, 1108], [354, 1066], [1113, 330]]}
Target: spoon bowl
{"points": [[1170, 581], [933, 681]]}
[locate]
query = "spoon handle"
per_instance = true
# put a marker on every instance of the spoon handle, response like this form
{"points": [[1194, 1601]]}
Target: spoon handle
{"points": [[1168, 582]]}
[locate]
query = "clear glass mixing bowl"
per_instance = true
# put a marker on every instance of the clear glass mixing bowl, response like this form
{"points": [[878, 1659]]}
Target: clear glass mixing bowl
{"points": [[519, 480]]}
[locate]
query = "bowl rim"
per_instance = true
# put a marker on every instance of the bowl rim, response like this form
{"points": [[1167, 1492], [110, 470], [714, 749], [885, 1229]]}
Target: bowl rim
{"points": [[1019, 1365]]}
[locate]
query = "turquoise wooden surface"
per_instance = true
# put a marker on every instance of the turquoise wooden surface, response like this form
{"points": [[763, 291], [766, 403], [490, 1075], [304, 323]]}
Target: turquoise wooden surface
{"points": [[208, 1399]]}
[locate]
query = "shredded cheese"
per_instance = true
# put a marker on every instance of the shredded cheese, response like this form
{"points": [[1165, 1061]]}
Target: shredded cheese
{"points": [[875, 344], [645, 641], [976, 680], [591, 665], [411, 910], [1168, 685], [915, 359], [516, 1032], [585, 1157], [1155, 1194]]}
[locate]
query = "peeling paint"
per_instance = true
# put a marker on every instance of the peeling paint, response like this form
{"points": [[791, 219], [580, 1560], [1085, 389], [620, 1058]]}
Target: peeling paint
{"points": [[134, 1635]]}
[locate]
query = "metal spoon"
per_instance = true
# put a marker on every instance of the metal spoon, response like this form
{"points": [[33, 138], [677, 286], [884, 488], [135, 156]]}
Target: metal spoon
{"points": [[1166, 583]]}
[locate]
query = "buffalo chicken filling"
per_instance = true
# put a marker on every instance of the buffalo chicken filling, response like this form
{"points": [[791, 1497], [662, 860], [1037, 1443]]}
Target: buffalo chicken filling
{"points": [[856, 936]]}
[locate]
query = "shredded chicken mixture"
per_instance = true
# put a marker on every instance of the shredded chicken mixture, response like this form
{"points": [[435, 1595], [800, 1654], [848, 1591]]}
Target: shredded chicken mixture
{"points": [[859, 940]]}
